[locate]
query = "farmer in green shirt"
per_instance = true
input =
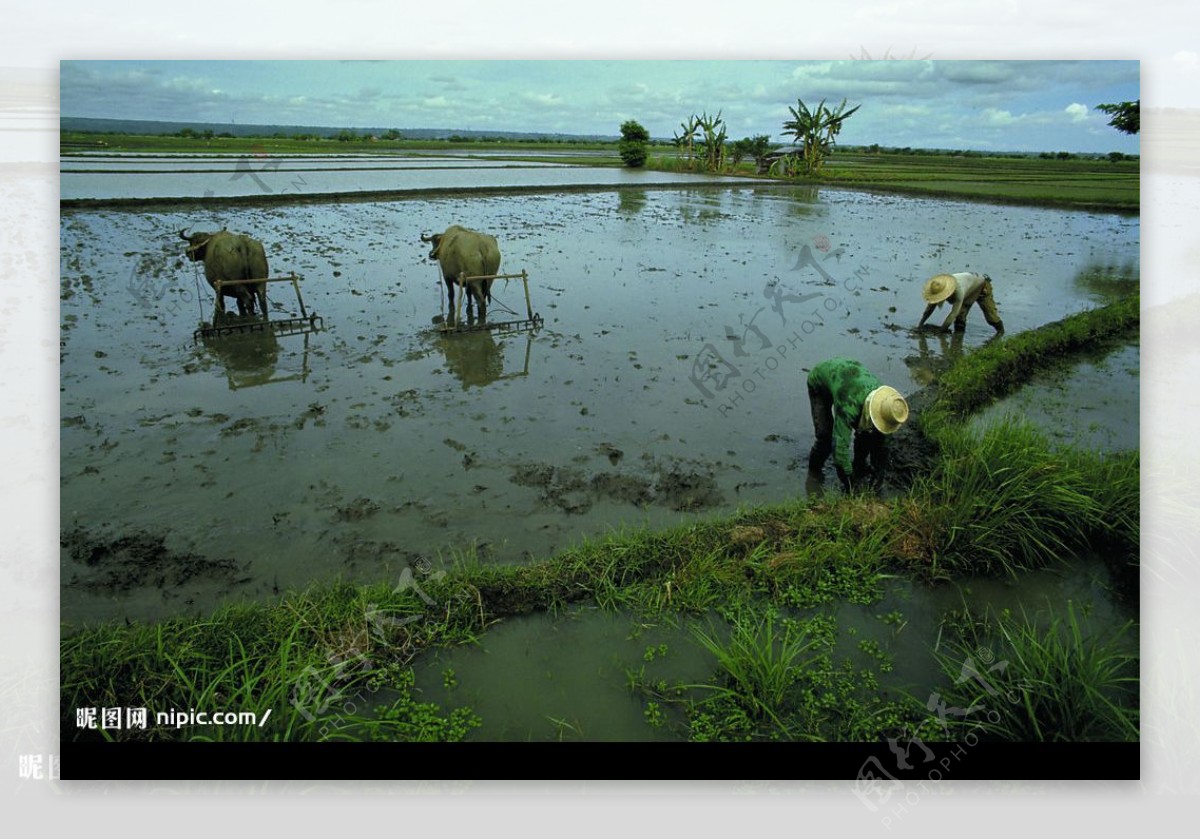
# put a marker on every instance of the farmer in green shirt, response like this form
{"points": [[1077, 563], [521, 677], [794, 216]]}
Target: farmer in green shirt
{"points": [[849, 404]]}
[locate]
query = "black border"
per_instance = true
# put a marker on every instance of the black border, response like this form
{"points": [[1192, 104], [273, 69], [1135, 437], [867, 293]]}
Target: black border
{"points": [[553, 760]]}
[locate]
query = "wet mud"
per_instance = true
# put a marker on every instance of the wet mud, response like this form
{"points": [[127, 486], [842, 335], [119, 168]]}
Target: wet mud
{"points": [[674, 485], [116, 565]]}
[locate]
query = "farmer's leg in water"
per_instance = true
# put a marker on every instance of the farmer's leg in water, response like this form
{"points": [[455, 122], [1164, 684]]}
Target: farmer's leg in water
{"points": [[822, 417], [988, 304]]}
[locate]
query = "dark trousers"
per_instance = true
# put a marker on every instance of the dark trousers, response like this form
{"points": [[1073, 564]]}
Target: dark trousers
{"points": [[870, 447]]}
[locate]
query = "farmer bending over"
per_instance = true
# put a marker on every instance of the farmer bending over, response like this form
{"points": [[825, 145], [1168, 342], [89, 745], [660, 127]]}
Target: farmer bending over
{"points": [[962, 291], [849, 402]]}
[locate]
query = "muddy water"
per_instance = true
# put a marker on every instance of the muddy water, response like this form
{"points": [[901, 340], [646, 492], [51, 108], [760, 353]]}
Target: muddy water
{"points": [[1052, 401], [567, 676], [666, 383]]}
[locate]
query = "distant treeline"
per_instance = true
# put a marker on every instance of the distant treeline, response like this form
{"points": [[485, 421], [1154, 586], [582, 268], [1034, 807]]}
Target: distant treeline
{"points": [[83, 130], [876, 149], [162, 128]]}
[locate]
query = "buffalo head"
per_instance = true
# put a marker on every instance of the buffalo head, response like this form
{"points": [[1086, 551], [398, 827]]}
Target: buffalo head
{"points": [[436, 240], [197, 244]]}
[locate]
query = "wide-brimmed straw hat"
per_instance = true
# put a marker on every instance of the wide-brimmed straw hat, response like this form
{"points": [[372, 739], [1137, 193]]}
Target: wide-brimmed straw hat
{"points": [[938, 288], [887, 409]]}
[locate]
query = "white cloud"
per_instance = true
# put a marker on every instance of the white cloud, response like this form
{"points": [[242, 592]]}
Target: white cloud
{"points": [[998, 116], [542, 99], [1077, 112]]}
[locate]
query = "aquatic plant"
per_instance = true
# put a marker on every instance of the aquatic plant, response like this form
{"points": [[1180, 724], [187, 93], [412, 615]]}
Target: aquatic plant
{"points": [[759, 664], [777, 678], [1055, 683], [1006, 501]]}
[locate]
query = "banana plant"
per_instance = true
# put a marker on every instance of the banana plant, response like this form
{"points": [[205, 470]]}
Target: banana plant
{"points": [[815, 129]]}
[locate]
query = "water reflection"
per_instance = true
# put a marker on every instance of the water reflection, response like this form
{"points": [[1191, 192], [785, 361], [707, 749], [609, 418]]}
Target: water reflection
{"points": [[631, 202], [1109, 281], [250, 359], [927, 366], [476, 358]]}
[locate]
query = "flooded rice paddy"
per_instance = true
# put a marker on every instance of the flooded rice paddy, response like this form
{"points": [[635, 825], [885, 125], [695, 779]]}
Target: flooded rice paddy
{"points": [[143, 177], [667, 382]]}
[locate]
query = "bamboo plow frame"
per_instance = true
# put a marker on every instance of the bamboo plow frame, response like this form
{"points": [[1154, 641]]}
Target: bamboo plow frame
{"points": [[290, 278], [533, 321]]}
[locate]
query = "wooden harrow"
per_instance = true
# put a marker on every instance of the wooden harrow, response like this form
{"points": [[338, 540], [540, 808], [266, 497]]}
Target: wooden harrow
{"points": [[234, 325], [532, 322]]}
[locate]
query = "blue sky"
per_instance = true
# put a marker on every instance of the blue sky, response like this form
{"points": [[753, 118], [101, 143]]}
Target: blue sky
{"points": [[997, 105]]}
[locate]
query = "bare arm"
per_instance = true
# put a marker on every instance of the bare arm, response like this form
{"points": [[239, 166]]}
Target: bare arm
{"points": [[954, 310]]}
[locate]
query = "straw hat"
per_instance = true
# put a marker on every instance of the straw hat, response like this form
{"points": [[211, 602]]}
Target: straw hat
{"points": [[939, 288], [887, 409]]}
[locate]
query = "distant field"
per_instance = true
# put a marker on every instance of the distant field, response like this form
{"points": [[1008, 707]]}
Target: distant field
{"points": [[77, 142], [1076, 183]]}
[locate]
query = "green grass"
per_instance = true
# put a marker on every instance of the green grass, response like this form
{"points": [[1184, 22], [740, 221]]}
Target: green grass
{"points": [[1004, 365], [1079, 182], [1006, 501], [316, 660], [78, 141], [758, 664], [1052, 682], [777, 678]]}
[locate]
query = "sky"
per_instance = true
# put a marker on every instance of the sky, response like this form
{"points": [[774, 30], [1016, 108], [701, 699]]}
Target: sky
{"points": [[1026, 106]]}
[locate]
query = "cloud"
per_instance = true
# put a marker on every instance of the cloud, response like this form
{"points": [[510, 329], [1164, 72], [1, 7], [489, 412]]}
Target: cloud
{"points": [[1077, 112], [544, 100], [998, 116]]}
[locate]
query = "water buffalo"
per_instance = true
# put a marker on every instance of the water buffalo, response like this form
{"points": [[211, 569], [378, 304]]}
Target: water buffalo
{"points": [[231, 256], [466, 253]]}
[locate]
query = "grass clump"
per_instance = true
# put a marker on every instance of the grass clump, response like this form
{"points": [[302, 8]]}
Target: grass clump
{"points": [[310, 668], [1057, 682], [777, 678], [1005, 501]]}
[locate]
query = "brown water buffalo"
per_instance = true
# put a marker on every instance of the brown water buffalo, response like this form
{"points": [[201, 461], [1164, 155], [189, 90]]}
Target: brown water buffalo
{"points": [[466, 253], [231, 256]]}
